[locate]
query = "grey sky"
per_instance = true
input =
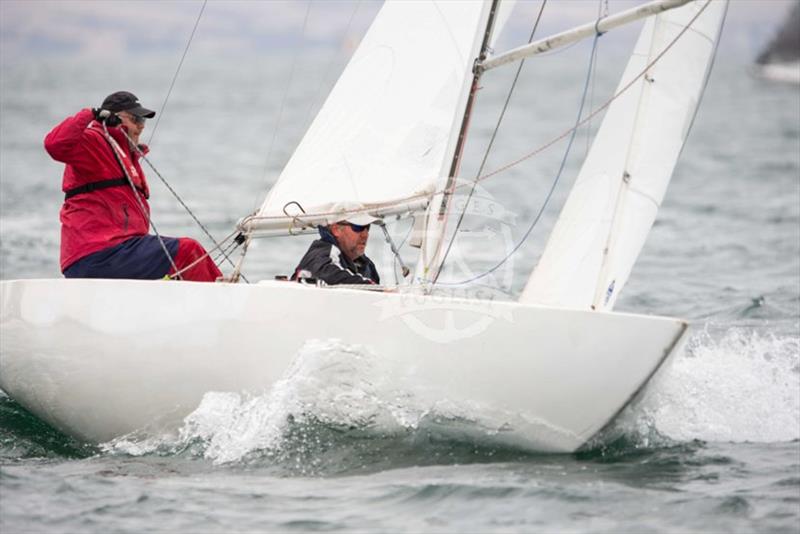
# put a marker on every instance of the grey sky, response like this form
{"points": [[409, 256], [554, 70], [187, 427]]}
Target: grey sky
{"points": [[118, 28]]}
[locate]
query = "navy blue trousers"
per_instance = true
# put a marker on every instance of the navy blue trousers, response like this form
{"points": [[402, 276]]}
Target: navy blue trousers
{"points": [[138, 258]]}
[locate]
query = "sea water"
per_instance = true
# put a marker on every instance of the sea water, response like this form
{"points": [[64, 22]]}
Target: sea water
{"points": [[712, 446]]}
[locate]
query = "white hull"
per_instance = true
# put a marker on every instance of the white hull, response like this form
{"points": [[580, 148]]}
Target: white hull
{"points": [[99, 359]]}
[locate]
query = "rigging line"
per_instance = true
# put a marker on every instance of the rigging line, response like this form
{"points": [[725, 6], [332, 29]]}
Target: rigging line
{"points": [[488, 149], [228, 249], [402, 243], [331, 63], [234, 241], [177, 71], [285, 95], [175, 194], [390, 242], [558, 138], [233, 244], [574, 129], [591, 103], [606, 104], [555, 180], [117, 151], [178, 273], [602, 12]]}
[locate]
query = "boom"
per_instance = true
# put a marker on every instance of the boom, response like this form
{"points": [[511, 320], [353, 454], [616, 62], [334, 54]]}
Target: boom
{"points": [[580, 32]]}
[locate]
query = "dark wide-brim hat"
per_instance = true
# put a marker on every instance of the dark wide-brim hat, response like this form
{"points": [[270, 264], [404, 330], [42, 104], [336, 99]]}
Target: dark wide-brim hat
{"points": [[125, 101]]}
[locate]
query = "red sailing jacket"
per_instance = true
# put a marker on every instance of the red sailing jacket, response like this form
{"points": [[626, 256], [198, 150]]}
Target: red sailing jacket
{"points": [[103, 218]]}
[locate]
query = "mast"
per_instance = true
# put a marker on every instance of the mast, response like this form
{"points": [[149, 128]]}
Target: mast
{"points": [[386, 134], [428, 268]]}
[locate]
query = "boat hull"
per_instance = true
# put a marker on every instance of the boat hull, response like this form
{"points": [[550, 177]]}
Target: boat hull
{"points": [[99, 359]]}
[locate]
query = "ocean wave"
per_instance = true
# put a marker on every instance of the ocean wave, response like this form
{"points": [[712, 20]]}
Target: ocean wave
{"points": [[336, 400], [740, 386], [339, 408], [24, 436]]}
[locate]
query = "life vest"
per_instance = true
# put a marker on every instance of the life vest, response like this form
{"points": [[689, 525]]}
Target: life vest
{"points": [[125, 163]]}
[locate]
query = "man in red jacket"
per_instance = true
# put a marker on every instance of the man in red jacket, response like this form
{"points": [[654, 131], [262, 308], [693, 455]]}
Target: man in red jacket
{"points": [[105, 217]]}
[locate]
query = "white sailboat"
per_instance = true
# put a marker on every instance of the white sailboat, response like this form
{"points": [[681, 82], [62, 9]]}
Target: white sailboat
{"points": [[552, 369], [780, 60]]}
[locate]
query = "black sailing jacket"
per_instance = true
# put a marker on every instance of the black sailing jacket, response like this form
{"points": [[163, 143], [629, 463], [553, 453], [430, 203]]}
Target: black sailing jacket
{"points": [[325, 261]]}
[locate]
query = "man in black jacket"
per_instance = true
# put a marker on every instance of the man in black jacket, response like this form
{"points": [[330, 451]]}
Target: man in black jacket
{"points": [[337, 257]]}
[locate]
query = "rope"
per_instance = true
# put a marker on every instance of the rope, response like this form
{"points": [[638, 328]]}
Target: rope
{"points": [[163, 180], [603, 106], [573, 131], [402, 243], [488, 149], [177, 197], [115, 149], [285, 96], [396, 253], [546, 145], [227, 249], [602, 12], [177, 71], [331, 64], [178, 273], [555, 180]]}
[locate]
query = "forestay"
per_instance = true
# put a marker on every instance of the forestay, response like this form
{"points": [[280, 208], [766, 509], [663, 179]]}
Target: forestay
{"points": [[384, 132], [619, 189]]}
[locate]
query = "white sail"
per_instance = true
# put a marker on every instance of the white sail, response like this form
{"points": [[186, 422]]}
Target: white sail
{"points": [[614, 201], [383, 134], [504, 11]]}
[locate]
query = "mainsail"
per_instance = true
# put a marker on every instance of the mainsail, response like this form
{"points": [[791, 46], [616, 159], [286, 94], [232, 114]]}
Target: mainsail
{"points": [[612, 206], [384, 134]]}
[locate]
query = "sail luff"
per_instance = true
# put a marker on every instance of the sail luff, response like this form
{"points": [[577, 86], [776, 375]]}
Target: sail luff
{"points": [[383, 135], [431, 242], [624, 185]]}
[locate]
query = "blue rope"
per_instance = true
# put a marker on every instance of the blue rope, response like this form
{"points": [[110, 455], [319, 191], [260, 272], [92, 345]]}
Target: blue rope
{"points": [[555, 181]]}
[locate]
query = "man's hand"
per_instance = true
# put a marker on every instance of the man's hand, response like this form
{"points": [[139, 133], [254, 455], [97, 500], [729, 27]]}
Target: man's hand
{"points": [[104, 115]]}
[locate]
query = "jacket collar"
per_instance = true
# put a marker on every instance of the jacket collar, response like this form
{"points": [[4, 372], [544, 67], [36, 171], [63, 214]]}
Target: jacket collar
{"points": [[326, 235]]}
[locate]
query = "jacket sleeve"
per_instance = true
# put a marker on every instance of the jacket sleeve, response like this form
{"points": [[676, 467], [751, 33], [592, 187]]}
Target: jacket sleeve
{"points": [[63, 143], [369, 270], [329, 268]]}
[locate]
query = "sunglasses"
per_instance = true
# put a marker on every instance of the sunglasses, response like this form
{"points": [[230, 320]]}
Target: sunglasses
{"points": [[357, 228], [135, 118]]}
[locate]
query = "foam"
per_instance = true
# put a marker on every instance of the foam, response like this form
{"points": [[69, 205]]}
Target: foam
{"points": [[329, 383], [736, 387], [742, 386], [339, 387]]}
